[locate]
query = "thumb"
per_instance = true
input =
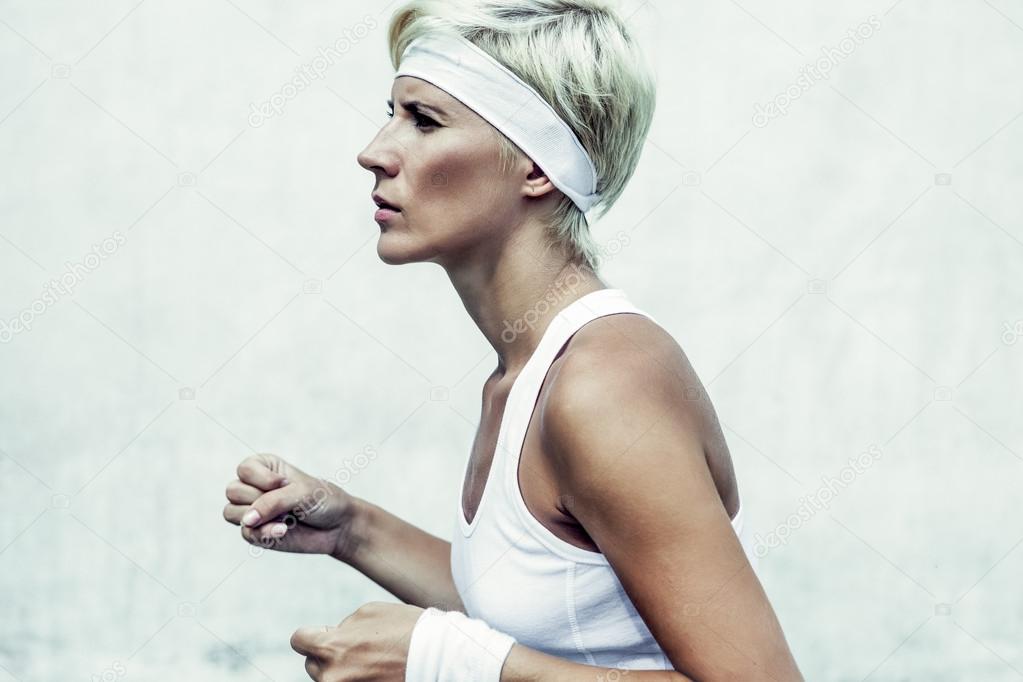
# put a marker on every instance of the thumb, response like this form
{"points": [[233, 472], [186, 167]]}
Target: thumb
{"points": [[269, 506]]}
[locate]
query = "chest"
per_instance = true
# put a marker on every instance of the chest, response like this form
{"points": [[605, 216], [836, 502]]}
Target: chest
{"points": [[536, 478]]}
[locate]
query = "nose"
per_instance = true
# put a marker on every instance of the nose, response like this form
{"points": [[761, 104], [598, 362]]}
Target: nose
{"points": [[380, 154]]}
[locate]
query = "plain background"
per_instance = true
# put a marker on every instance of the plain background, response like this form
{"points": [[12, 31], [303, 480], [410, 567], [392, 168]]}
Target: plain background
{"points": [[848, 276]]}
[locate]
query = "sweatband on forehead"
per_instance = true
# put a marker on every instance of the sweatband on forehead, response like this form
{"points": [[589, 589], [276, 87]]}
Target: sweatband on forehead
{"points": [[504, 100]]}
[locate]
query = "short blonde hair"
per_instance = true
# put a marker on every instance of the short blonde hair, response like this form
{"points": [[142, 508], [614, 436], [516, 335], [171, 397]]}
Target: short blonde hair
{"points": [[582, 58]]}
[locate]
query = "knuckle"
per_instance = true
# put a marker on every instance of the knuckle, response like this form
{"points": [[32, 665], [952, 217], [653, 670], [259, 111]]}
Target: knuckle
{"points": [[244, 467]]}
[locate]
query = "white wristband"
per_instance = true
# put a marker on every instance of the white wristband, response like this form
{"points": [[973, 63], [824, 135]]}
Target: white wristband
{"points": [[448, 646]]}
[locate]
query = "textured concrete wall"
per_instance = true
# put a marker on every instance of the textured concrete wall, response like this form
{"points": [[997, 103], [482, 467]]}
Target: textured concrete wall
{"points": [[840, 257]]}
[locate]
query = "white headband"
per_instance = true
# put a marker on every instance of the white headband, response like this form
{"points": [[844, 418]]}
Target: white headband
{"points": [[486, 86]]}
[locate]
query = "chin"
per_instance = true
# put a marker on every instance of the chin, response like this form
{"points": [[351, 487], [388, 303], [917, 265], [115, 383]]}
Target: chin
{"points": [[390, 257], [390, 250]]}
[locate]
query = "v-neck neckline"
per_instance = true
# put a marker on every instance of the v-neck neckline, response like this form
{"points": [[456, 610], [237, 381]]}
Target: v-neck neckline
{"points": [[469, 526]]}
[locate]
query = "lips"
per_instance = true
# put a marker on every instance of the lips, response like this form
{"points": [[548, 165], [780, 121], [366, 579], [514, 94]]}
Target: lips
{"points": [[383, 203]]}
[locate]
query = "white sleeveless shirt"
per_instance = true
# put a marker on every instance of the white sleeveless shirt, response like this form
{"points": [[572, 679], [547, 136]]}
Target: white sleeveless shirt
{"points": [[520, 578]]}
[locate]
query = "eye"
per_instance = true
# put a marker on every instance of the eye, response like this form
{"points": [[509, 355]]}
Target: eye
{"points": [[421, 121]]}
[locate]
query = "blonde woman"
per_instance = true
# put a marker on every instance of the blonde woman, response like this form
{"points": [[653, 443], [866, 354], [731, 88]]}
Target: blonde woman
{"points": [[600, 530]]}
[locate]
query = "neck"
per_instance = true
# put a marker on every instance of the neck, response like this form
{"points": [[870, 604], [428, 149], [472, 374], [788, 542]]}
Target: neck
{"points": [[513, 296]]}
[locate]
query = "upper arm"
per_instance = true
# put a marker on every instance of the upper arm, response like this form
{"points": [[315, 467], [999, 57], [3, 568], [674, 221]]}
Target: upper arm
{"points": [[625, 446]]}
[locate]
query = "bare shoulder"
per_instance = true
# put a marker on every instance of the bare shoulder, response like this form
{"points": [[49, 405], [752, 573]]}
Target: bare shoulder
{"points": [[630, 351], [618, 375]]}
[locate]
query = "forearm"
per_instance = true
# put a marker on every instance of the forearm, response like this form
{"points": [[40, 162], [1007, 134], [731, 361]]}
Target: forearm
{"points": [[405, 560], [529, 665]]}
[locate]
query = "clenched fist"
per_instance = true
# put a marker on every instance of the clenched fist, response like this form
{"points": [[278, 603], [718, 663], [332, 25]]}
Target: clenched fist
{"points": [[278, 506]]}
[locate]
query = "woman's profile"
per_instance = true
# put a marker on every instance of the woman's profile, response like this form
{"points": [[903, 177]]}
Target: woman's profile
{"points": [[600, 529]]}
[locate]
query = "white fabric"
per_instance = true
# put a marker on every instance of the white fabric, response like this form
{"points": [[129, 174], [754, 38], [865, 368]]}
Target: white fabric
{"points": [[486, 86], [448, 646], [515, 574]]}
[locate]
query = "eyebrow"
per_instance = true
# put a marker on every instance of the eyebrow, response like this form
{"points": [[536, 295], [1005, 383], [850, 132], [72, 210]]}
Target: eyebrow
{"points": [[414, 106]]}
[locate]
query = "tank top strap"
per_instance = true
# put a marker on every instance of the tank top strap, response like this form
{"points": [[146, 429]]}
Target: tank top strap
{"points": [[526, 389]]}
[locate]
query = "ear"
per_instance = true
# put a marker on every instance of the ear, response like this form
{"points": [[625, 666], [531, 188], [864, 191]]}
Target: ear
{"points": [[537, 184]]}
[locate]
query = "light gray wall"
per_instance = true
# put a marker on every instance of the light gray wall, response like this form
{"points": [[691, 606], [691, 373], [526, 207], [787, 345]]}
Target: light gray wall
{"points": [[847, 278]]}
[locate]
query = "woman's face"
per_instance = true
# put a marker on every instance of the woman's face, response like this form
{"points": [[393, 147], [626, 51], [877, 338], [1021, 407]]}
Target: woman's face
{"points": [[440, 164]]}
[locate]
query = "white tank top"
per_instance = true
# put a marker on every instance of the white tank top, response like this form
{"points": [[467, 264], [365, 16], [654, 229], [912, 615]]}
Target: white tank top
{"points": [[523, 580]]}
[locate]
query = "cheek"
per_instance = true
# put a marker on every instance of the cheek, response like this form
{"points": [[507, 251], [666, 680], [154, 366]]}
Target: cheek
{"points": [[466, 189], [463, 177], [447, 176]]}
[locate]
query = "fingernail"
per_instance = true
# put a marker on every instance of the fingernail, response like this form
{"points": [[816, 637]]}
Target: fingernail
{"points": [[278, 530], [284, 481], [250, 518]]}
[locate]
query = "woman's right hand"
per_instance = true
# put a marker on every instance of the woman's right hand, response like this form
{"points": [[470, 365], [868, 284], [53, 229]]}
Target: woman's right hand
{"points": [[279, 506]]}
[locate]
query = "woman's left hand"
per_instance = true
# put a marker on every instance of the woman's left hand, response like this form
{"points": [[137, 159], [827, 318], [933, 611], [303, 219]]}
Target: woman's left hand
{"points": [[370, 645]]}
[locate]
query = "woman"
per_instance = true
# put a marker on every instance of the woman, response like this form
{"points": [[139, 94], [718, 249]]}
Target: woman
{"points": [[599, 529]]}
